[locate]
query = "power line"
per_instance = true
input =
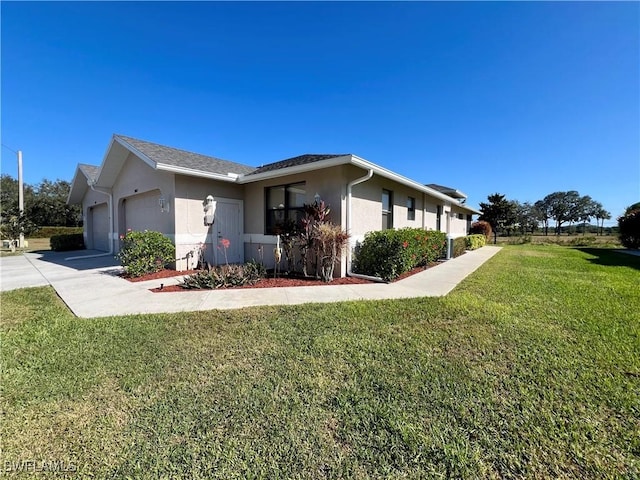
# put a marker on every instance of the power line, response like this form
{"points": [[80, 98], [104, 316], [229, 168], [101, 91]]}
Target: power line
{"points": [[9, 148]]}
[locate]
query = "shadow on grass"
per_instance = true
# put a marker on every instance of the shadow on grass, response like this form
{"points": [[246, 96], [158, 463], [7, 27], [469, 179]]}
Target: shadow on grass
{"points": [[612, 258]]}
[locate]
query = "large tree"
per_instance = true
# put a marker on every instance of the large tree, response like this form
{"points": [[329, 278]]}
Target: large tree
{"points": [[563, 207], [543, 212], [44, 204], [527, 217], [499, 212]]}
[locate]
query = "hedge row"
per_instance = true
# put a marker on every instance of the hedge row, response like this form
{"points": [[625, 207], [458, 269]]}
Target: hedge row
{"points": [[48, 232], [66, 242], [390, 253]]}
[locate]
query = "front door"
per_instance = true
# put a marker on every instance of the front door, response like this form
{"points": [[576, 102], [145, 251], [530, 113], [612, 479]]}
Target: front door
{"points": [[227, 231]]}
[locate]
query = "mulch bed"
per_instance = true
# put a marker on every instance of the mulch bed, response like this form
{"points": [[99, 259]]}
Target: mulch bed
{"points": [[267, 282]]}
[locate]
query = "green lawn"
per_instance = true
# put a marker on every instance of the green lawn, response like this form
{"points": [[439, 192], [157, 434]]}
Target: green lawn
{"points": [[530, 368]]}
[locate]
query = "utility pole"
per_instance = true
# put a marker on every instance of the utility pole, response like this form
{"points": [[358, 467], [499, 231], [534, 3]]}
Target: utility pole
{"points": [[20, 196]]}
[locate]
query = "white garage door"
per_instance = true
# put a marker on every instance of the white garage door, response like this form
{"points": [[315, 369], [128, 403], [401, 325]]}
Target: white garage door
{"points": [[142, 212], [99, 227]]}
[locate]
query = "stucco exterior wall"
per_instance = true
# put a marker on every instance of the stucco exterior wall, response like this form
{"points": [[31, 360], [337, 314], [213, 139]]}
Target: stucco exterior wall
{"points": [[136, 178], [330, 184], [459, 226], [91, 200], [191, 232]]}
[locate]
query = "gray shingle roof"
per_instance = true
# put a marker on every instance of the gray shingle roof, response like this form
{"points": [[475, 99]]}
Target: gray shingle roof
{"points": [[183, 159], [295, 161], [90, 171]]}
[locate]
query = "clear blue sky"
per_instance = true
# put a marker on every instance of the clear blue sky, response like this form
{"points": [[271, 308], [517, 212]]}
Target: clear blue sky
{"points": [[518, 98]]}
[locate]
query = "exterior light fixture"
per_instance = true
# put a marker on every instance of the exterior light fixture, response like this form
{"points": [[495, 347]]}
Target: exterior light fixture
{"points": [[317, 198], [164, 205], [209, 210]]}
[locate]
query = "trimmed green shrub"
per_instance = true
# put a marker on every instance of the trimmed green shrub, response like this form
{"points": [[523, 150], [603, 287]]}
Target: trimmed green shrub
{"points": [[225, 276], [459, 246], [482, 228], [48, 232], [390, 253], [475, 241], [629, 225], [66, 242], [145, 252]]}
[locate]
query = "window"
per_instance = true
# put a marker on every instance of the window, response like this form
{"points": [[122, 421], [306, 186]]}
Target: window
{"points": [[411, 208], [461, 216], [387, 209], [284, 206], [439, 218]]}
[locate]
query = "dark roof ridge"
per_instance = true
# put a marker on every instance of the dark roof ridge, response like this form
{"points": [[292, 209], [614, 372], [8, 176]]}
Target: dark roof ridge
{"points": [[296, 161], [178, 157]]}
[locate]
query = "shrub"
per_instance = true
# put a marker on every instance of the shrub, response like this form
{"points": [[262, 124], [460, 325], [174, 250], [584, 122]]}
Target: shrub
{"points": [[48, 232], [629, 225], [224, 276], [459, 246], [475, 241], [390, 253], [481, 228], [66, 242], [331, 239], [145, 252]]}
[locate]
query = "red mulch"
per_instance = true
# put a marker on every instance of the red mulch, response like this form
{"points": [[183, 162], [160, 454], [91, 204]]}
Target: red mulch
{"points": [[268, 282]]}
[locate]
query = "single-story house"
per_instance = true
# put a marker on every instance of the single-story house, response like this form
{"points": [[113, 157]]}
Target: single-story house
{"points": [[198, 200]]}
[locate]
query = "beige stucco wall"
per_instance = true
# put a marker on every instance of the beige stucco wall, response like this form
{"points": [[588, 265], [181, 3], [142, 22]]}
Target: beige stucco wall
{"points": [[93, 199], [330, 184], [192, 233], [137, 178], [459, 227]]}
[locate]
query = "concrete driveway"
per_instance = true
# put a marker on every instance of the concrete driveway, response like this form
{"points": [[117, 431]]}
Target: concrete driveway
{"points": [[91, 286]]}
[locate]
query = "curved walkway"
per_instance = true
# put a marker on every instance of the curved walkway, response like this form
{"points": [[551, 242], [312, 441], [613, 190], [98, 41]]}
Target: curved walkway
{"points": [[91, 288]]}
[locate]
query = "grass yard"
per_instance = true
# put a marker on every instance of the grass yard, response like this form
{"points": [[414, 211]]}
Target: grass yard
{"points": [[529, 369]]}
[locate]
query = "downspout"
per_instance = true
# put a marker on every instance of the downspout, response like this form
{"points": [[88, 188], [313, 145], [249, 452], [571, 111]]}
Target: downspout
{"points": [[350, 186], [111, 240]]}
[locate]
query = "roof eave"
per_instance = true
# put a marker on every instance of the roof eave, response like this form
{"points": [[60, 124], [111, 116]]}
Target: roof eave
{"points": [[377, 169], [307, 167], [230, 177], [78, 187]]}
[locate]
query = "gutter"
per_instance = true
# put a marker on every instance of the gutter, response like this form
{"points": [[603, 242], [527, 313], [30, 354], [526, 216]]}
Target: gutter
{"points": [[111, 240], [350, 186]]}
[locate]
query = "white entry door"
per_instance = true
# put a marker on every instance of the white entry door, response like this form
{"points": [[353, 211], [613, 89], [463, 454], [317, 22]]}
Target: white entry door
{"points": [[228, 231]]}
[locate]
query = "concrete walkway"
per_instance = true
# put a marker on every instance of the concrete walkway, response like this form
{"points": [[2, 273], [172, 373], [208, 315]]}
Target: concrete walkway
{"points": [[91, 288]]}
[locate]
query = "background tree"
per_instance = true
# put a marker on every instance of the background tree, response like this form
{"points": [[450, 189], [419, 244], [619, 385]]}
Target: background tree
{"points": [[629, 227], [543, 212], [585, 210], [527, 217], [44, 205], [499, 212], [13, 223], [563, 207]]}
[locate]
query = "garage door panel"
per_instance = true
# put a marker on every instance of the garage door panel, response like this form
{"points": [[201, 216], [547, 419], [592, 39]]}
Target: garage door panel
{"points": [[142, 212], [100, 227]]}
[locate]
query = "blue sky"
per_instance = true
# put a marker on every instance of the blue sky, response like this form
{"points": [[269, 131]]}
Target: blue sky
{"points": [[518, 98]]}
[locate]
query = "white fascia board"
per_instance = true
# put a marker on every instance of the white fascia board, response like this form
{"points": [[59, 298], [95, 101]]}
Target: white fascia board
{"points": [[231, 178], [136, 152], [73, 191], [307, 167], [377, 169]]}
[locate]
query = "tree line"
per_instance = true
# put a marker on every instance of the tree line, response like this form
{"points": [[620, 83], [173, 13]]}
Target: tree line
{"points": [[555, 210], [45, 204]]}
